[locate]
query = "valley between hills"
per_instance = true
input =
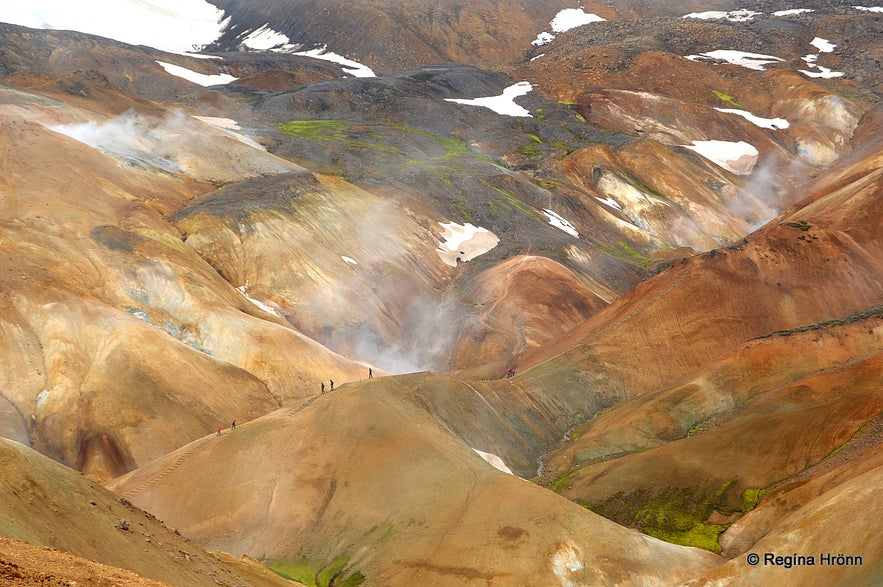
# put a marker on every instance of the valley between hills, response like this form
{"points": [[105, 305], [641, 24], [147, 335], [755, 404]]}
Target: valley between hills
{"points": [[383, 293]]}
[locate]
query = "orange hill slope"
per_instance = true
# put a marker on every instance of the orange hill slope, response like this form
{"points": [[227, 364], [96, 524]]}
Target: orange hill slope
{"points": [[26, 565], [722, 410], [839, 530], [367, 478], [742, 437], [819, 261], [115, 329], [49, 505]]}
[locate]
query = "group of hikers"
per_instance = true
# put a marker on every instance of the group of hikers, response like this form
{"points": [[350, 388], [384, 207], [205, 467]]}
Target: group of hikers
{"points": [[331, 381], [232, 427]]}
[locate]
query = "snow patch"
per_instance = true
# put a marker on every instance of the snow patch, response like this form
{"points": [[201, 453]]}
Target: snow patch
{"points": [[243, 289], [464, 242], [739, 158], [610, 202], [870, 8], [354, 68], [349, 260], [176, 26], [217, 122], [494, 461], [228, 126], [792, 11], [741, 15], [823, 72], [196, 77], [559, 222], [504, 104], [544, 38], [265, 38], [201, 56], [567, 19], [770, 123], [755, 61], [819, 71], [823, 45], [570, 18]]}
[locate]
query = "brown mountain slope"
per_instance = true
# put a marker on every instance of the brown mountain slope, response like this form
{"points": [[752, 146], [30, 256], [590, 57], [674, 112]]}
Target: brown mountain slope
{"points": [[706, 472], [820, 262], [830, 530], [362, 271], [691, 450], [49, 505], [757, 367], [371, 496], [25, 565], [524, 302], [84, 324], [391, 36]]}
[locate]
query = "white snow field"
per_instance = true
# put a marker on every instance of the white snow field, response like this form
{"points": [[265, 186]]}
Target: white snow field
{"points": [[354, 68], [741, 15], [739, 158], [819, 71], [770, 123], [493, 460], [823, 45], [243, 289], [504, 104], [196, 77], [560, 223], [792, 11], [265, 39], [464, 242], [567, 19], [755, 61], [610, 202], [176, 26], [229, 127]]}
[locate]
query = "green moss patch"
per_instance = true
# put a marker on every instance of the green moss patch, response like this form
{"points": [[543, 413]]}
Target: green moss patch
{"points": [[515, 202], [726, 98], [323, 130], [865, 314], [624, 252], [750, 497], [317, 574], [676, 515], [529, 150]]}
